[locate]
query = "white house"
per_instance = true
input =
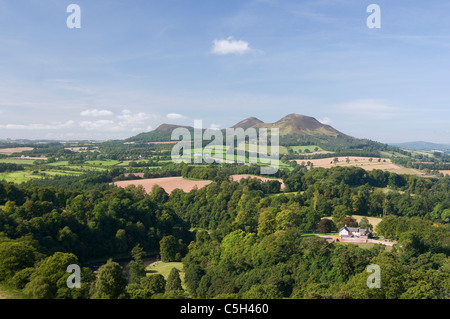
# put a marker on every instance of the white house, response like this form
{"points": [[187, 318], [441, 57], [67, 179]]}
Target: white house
{"points": [[354, 232]]}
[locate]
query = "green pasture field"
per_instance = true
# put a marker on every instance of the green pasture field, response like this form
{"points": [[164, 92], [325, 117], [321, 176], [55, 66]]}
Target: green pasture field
{"points": [[20, 177], [17, 161], [103, 163]]}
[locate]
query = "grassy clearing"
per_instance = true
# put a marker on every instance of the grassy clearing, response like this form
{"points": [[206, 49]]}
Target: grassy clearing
{"points": [[321, 234], [164, 269]]}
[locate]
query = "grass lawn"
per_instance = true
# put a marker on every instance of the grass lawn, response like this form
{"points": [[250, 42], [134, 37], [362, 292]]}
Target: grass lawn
{"points": [[321, 234], [164, 269]]}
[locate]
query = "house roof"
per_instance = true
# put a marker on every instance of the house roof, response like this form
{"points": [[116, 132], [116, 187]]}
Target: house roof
{"points": [[355, 229]]}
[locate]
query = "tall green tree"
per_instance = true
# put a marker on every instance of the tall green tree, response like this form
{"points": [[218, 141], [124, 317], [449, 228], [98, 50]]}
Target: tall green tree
{"points": [[174, 280], [111, 282], [136, 267], [155, 284]]}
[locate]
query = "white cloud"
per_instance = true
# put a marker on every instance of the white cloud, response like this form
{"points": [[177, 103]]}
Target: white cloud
{"points": [[214, 126], [131, 119], [127, 121], [51, 126], [95, 112], [326, 121], [230, 46], [97, 125], [175, 116]]}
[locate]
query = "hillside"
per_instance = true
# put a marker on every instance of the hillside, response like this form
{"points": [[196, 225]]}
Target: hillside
{"points": [[292, 124], [248, 122], [161, 134], [295, 129], [296, 124]]}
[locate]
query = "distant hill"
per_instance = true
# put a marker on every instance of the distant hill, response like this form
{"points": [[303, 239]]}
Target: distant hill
{"points": [[162, 133], [248, 122], [293, 124], [422, 146], [295, 129]]}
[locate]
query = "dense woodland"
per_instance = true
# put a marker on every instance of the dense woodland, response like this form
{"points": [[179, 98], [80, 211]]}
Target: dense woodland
{"points": [[246, 239]]}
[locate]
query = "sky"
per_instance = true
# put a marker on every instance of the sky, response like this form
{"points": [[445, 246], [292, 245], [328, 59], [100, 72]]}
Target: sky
{"points": [[133, 65]]}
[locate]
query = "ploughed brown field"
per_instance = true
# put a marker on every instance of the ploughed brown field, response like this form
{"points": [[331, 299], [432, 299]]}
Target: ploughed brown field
{"points": [[167, 183], [10, 151], [363, 162], [237, 178]]}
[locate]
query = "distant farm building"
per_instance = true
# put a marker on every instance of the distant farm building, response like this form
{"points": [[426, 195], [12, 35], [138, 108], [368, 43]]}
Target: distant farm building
{"points": [[354, 232]]}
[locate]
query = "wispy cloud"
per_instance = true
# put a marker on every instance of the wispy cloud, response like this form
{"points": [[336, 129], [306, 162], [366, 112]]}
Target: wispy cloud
{"points": [[175, 116], [96, 125], [51, 126], [95, 112], [127, 121], [326, 121], [230, 46]]}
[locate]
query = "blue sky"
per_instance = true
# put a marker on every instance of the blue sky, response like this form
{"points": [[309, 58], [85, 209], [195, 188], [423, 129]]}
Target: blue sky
{"points": [[136, 64]]}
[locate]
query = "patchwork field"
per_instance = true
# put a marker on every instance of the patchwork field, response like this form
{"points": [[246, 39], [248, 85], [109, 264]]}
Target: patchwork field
{"points": [[169, 184], [366, 163], [10, 151]]}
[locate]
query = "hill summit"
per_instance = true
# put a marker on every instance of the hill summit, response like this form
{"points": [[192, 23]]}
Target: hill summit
{"points": [[248, 122], [293, 124], [290, 125]]}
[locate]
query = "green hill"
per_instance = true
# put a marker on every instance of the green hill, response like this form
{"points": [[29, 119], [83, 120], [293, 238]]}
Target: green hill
{"points": [[295, 130]]}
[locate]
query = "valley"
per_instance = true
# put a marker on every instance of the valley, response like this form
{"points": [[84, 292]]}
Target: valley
{"points": [[230, 230]]}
